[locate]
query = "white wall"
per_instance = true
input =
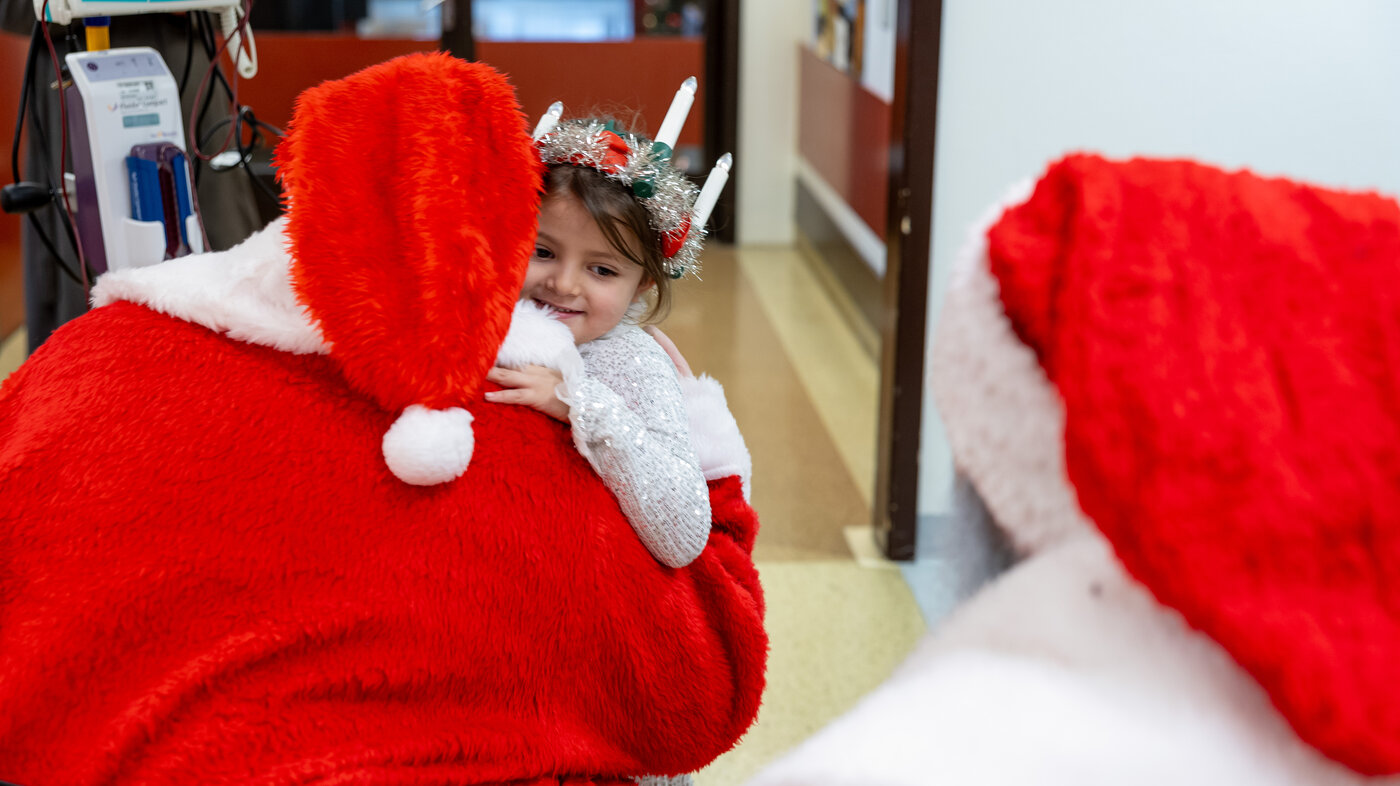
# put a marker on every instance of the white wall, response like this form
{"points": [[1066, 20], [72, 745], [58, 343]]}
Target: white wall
{"points": [[877, 72], [765, 165], [1299, 88]]}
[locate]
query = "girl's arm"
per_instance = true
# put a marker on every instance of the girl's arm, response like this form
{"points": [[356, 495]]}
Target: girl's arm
{"points": [[629, 420]]}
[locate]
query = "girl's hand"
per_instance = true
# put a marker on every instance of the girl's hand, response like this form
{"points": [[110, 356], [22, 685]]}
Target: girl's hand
{"points": [[532, 386], [682, 367]]}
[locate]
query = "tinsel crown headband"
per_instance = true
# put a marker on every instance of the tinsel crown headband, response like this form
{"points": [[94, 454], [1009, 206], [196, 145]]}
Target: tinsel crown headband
{"points": [[676, 208]]}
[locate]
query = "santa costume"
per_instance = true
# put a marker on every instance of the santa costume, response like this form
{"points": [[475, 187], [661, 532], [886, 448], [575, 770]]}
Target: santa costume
{"points": [[1176, 389], [257, 524]]}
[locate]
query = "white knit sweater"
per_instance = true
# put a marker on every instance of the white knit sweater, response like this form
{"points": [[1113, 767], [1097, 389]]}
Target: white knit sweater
{"points": [[629, 420]]}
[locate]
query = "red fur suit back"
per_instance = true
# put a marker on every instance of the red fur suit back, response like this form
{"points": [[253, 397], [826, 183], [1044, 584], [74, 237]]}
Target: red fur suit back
{"points": [[208, 575]]}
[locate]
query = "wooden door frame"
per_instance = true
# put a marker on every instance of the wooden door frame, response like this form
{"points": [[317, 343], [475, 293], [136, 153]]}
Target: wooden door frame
{"points": [[721, 95], [908, 232]]}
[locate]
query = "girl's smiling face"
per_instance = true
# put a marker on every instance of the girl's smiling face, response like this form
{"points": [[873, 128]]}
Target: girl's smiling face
{"points": [[576, 272]]}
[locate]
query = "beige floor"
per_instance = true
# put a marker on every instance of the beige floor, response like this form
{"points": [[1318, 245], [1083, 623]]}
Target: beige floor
{"points": [[803, 391], [12, 352]]}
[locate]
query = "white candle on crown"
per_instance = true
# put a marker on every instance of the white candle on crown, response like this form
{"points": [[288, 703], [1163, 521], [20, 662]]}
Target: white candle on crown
{"points": [[675, 116], [549, 120], [710, 193]]}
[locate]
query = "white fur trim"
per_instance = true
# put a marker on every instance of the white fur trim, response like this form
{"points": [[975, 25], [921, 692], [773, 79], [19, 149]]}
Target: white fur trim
{"points": [[1004, 419], [244, 293], [1064, 671], [537, 339], [719, 446], [426, 447]]}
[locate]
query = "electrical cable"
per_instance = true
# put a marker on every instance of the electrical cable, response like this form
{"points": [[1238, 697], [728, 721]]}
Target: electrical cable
{"points": [[189, 52], [48, 244], [241, 29], [200, 107], [235, 120], [199, 115], [254, 142], [240, 117], [211, 46], [200, 110], [26, 90], [63, 154]]}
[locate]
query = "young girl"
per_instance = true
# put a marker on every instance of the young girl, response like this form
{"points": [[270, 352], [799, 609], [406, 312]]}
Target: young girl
{"points": [[603, 265]]}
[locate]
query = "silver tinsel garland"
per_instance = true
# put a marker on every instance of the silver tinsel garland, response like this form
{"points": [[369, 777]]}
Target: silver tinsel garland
{"points": [[582, 142]]}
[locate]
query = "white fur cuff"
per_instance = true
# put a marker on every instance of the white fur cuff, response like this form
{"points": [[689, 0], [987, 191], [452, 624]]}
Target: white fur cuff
{"points": [[719, 446], [537, 339]]}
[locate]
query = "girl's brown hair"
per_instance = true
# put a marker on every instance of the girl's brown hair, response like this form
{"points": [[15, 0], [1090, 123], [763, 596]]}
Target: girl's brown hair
{"points": [[621, 218]]}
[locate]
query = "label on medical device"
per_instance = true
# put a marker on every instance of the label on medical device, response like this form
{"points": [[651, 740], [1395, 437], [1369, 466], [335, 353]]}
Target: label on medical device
{"points": [[139, 103], [138, 99]]}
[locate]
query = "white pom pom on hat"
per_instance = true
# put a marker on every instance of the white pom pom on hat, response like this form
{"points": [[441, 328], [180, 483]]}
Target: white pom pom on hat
{"points": [[426, 447]]}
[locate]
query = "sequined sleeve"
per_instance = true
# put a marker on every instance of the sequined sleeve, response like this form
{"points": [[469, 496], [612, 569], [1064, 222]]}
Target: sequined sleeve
{"points": [[629, 421]]}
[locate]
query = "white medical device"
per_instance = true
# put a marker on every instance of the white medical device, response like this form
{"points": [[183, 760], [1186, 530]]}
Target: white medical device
{"points": [[135, 196], [131, 195]]}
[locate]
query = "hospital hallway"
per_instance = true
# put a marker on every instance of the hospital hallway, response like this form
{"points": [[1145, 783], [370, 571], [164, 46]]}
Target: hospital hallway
{"points": [[803, 388]]}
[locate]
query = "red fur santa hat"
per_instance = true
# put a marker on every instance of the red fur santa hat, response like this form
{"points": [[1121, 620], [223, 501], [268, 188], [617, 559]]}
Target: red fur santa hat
{"points": [[425, 189], [1225, 350]]}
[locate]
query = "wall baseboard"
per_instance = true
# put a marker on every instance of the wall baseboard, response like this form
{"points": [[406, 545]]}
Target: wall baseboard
{"points": [[855, 319], [854, 287]]}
